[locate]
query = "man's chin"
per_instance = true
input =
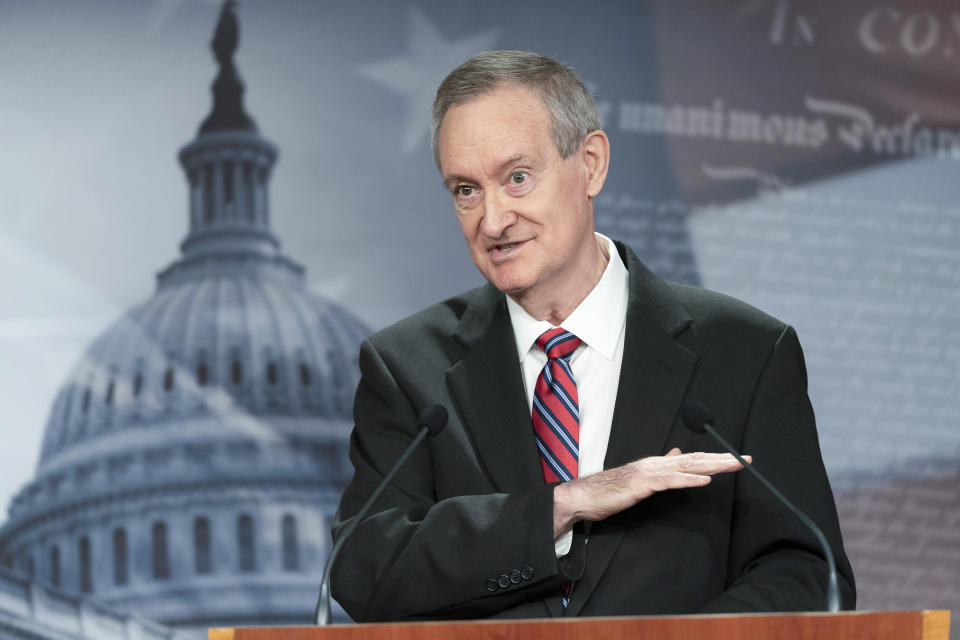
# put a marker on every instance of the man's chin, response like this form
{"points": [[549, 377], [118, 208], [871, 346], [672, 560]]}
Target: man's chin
{"points": [[510, 279], [512, 287]]}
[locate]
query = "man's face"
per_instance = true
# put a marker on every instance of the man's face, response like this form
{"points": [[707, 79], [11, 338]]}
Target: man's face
{"points": [[525, 212]]}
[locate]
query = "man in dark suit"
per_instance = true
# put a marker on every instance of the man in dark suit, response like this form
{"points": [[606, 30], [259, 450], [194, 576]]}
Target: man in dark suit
{"points": [[560, 486]]}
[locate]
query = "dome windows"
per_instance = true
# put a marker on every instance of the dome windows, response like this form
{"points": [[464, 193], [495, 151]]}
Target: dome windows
{"points": [[291, 560], [121, 570], [168, 380], [305, 377], [111, 386], [236, 366], [161, 559], [86, 565], [54, 573], [201, 546], [202, 374], [275, 382], [202, 368], [137, 384], [245, 543]]}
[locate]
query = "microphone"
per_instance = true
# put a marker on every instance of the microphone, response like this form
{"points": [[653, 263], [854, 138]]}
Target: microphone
{"points": [[699, 420], [432, 421]]}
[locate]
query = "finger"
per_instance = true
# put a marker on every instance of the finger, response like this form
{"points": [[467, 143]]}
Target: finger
{"points": [[674, 460], [707, 463], [666, 480]]}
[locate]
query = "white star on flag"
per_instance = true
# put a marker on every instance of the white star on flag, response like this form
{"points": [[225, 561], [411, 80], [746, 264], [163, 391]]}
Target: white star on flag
{"points": [[416, 74]]}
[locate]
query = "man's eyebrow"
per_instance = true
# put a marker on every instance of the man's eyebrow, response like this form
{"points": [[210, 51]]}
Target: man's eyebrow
{"points": [[514, 159], [452, 179]]}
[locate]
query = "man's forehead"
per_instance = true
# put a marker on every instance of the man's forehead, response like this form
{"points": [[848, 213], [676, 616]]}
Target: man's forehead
{"points": [[502, 127]]}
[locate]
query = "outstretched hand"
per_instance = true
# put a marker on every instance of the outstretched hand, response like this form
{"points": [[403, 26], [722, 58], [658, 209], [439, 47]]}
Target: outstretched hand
{"points": [[598, 496]]}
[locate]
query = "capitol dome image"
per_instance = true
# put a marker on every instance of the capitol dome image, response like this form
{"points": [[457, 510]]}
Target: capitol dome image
{"points": [[193, 458]]}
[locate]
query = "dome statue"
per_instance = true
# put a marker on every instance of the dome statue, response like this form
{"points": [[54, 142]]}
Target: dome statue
{"points": [[194, 456]]}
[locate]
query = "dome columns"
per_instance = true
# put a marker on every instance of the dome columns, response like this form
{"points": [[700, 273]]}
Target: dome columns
{"points": [[228, 173]]}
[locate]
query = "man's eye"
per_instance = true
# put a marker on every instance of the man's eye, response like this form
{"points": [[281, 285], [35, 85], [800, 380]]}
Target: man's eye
{"points": [[518, 177], [464, 191]]}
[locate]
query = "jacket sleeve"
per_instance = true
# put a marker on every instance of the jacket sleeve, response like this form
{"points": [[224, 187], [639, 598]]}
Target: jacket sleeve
{"points": [[417, 556], [775, 563]]}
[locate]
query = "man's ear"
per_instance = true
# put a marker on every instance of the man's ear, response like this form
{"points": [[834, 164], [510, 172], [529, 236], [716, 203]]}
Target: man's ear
{"points": [[596, 157]]}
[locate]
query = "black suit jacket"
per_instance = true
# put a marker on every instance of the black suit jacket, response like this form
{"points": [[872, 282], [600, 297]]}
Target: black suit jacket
{"points": [[465, 529]]}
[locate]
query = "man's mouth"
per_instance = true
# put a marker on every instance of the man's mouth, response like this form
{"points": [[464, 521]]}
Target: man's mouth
{"points": [[500, 253], [506, 247]]}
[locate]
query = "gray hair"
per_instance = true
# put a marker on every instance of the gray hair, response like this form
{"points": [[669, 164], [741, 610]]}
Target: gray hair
{"points": [[571, 107]]}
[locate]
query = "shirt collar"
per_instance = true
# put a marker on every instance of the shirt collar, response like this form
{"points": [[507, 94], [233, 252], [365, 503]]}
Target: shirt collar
{"points": [[597, 320]]}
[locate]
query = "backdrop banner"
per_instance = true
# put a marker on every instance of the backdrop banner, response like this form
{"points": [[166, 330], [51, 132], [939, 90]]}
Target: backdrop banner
{"points": [[801, 156]]}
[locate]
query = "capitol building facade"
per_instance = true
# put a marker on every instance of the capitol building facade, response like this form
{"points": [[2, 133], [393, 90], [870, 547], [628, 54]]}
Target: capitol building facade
{"points": [[195, 455]]}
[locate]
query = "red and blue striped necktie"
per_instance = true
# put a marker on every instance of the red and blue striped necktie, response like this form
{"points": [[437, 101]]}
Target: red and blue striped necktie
{"points": [[556, 414], [556, 409]]}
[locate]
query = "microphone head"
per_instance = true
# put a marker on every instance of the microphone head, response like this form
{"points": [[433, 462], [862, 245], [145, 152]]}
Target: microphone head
{"points": [[695, 415], [434, 418]]}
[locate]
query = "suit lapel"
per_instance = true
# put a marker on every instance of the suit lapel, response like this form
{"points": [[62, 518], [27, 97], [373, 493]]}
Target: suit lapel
{"points": [[656, 368], [653, 380], [486, 387]]}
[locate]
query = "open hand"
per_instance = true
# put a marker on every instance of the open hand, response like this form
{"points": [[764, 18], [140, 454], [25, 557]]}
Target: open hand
{"points": [[603, 494]]}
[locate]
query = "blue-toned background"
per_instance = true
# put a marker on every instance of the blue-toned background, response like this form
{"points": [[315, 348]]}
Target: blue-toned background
{"points": [[800, 156]]}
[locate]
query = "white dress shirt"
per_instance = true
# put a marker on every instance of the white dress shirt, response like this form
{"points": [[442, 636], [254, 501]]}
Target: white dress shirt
{"points": [[600, 322]]}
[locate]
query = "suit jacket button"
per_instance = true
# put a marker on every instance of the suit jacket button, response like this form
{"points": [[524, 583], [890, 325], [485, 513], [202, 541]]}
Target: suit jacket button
{"points": [[515, 576], [526, 573], [492, 585], [504, 581]]}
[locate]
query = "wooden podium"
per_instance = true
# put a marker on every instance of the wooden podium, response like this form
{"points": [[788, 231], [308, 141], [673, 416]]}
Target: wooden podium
{"points": [[851, 625]]}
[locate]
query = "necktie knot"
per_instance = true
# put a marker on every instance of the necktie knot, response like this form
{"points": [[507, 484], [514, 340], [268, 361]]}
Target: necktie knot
{"points": [[558, 343]]}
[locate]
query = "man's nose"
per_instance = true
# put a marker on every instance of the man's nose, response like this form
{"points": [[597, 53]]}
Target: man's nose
{"points": [[498, 213]]}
